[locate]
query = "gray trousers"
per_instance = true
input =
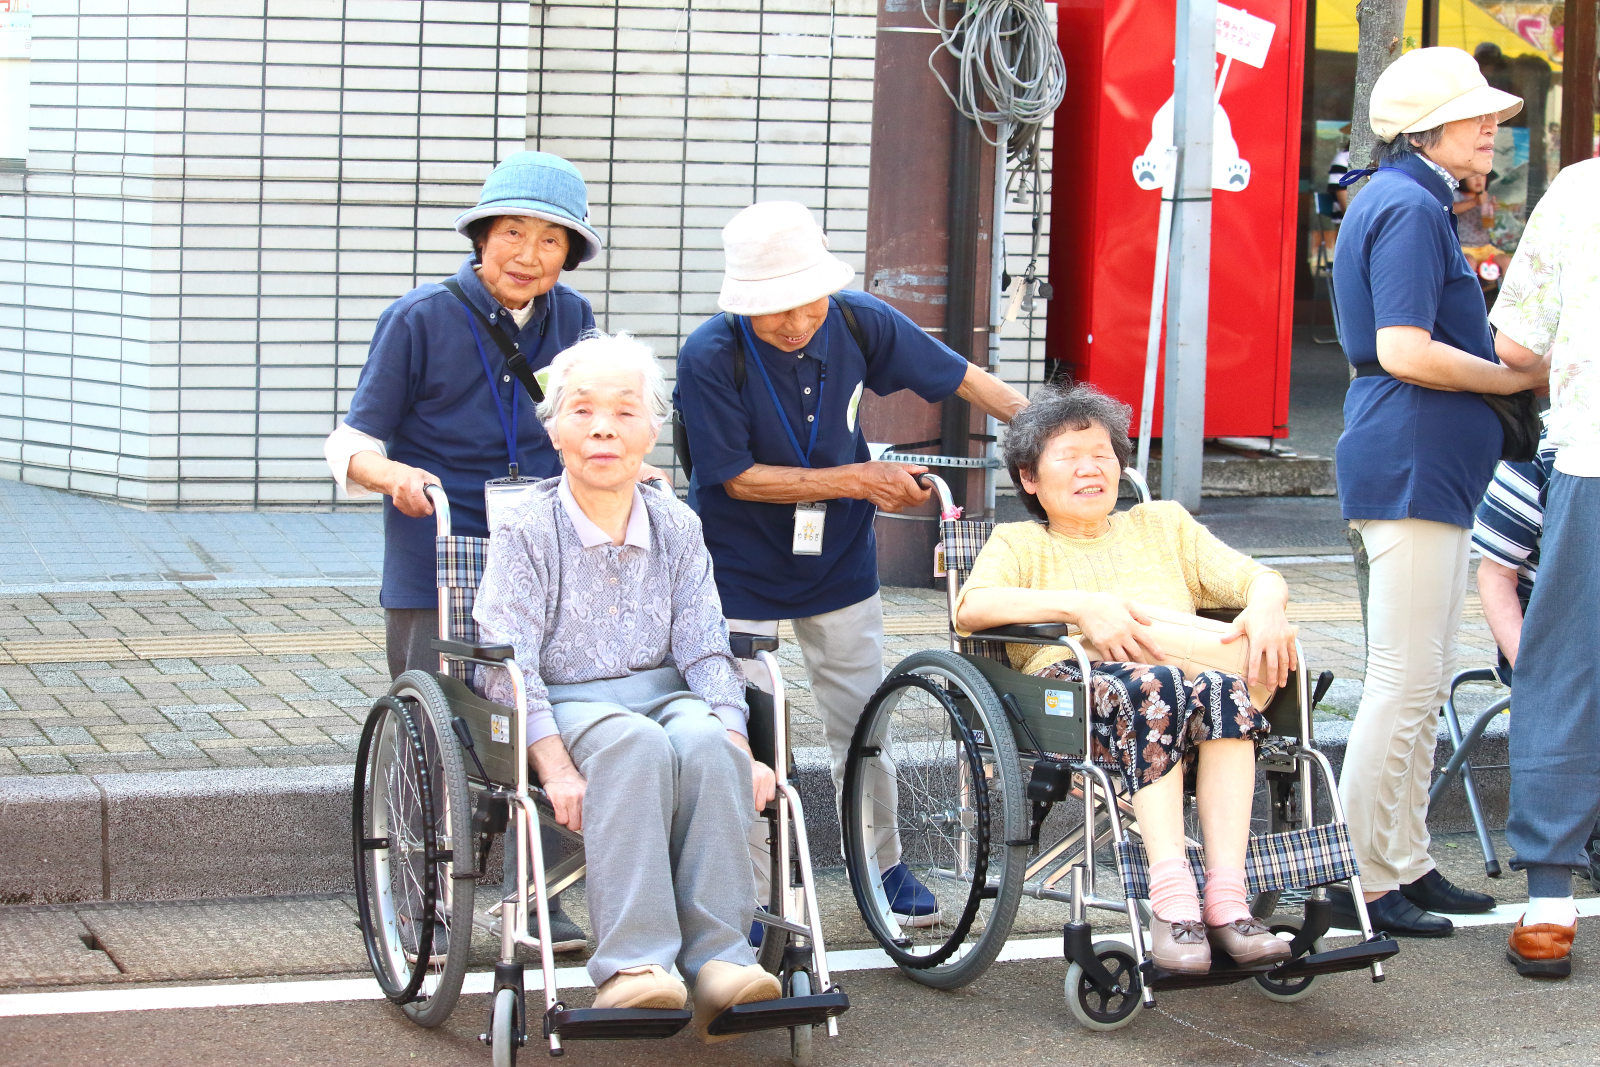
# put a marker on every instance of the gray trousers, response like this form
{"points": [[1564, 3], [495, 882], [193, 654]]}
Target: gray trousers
{"points": [[843, 652], [407, 633], [1555, 695], [664, 820]]}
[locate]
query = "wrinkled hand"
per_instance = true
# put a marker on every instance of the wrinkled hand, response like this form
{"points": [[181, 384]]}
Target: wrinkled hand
{"points": [[1271, 636], [1115, 626], [405, 488], [565, 793], [763, 782], [891, 486]]}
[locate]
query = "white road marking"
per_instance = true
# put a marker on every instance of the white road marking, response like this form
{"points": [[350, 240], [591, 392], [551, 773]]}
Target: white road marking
{"points": [[330, 990]]}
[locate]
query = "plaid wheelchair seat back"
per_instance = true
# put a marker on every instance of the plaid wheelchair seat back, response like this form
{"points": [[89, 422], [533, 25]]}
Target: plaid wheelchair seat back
{"points": [[458, 564], [1295, 859], [963, 540]]}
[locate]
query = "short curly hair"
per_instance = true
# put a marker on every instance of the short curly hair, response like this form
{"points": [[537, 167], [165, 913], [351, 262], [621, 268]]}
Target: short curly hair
{"points": [[1055, 409]]}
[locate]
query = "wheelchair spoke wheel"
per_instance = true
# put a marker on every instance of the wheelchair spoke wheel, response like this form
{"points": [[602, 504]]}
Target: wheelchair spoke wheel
{"points": [[932, 795], [1100, 1009], [410, 813]]}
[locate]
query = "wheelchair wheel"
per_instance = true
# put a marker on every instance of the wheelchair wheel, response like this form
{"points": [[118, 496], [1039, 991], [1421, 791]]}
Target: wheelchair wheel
{"points": [[1093, 1007], [800, 1036], [410, 812], [503, 1029], [1287, 991], [933, 763]]}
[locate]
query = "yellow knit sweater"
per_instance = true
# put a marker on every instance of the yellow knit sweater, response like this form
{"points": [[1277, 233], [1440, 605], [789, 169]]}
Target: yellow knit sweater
{"points": [[1156, 554]]}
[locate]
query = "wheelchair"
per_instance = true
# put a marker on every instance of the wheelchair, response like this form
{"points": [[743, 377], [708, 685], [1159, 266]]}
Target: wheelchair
{"points": [[440, 772], [978, 755]]}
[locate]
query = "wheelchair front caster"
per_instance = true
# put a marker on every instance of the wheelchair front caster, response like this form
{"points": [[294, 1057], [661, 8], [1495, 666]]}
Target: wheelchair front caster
{"points": [[503, 1029], [1288, 990], [1100, 1009], [800, 1036]]}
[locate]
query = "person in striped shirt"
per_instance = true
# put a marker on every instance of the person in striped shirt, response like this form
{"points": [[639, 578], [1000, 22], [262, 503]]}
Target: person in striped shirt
{"points": [[1505, 531]]}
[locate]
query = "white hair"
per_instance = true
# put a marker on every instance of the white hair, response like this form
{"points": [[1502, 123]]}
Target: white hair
{"points": [[610, 350]]}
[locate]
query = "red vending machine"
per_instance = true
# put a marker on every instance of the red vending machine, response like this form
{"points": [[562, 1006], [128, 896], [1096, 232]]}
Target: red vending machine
{"points": [[1110, 140]]}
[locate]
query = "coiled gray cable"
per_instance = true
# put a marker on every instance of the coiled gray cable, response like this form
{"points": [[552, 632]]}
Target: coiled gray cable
{"points": [[1009, 68]]}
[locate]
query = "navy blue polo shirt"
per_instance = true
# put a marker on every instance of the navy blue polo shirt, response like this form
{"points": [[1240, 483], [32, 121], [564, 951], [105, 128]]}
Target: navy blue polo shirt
{"points": [[1408, 451], [424, 393], [730, 430]]}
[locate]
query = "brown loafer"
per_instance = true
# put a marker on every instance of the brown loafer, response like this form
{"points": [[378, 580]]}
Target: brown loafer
{"points": [[1179, 947], [1248, 942], [1543, 950]]}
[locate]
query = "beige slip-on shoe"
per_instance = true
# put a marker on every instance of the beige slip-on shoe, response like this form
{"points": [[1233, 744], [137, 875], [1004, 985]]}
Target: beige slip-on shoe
{"points": [[646, 986], [1249, 942], [1179, 947], [721, 985]]}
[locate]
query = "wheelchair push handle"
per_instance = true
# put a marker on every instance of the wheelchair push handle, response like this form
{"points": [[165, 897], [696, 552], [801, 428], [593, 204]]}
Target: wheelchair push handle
{"points": [[947, 507], [441, 509]]}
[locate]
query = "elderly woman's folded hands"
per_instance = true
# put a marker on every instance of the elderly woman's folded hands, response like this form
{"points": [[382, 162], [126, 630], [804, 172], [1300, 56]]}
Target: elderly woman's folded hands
{"points": [[1264, 622]]}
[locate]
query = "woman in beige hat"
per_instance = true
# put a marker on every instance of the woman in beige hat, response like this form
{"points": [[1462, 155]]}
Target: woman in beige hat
{"points": [[1417, 452]]}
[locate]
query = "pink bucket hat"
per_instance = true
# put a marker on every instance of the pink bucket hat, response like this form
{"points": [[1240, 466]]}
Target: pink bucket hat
{"points": [[775, 258]]}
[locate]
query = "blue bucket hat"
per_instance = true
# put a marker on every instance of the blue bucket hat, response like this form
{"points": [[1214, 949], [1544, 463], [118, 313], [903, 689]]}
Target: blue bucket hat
{"points": [[540, 185]]}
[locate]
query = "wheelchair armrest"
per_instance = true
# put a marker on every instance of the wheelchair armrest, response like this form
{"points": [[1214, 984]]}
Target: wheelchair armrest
{"points": [[745, 646], [1219, 614], [1030, 631], [475, 653]]}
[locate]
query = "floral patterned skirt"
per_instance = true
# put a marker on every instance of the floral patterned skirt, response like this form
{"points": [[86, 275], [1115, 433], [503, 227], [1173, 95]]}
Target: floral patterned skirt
{"points": [[1146, 720]]}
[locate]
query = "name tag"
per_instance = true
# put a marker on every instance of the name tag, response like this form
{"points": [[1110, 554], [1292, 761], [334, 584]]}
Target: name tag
{"points": [[501, 493], [808, 522]]}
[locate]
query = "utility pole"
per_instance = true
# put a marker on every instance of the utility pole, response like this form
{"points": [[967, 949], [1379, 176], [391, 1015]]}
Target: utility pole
{"points": [[1189, 268]]}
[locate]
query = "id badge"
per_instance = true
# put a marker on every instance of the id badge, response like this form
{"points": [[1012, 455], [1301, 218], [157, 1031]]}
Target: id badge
{"points": [[808, 522], [501, 493]]}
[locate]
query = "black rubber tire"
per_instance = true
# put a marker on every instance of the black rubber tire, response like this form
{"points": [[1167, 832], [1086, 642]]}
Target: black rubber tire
{"points": [[800, 1036], [1095, 1009], [503, 1029], [410, 785], [949, 690], [1283, 923]]}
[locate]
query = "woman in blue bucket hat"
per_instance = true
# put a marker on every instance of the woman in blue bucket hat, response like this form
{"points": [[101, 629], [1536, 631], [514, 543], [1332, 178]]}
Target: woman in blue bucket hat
{"points": [[448, 392]]}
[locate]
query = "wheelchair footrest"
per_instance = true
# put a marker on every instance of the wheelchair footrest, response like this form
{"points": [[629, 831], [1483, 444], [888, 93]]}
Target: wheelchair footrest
{"points": [[780, 1014], [1221, 973], [1349, 958], [617, 1024]]}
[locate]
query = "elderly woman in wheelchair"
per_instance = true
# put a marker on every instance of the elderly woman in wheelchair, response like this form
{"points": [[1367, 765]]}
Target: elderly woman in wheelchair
{"points": [[636, 712], [1125, 581]]}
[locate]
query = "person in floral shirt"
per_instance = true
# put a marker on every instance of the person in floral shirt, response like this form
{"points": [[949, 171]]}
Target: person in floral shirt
{"points": [[1550, 306]]}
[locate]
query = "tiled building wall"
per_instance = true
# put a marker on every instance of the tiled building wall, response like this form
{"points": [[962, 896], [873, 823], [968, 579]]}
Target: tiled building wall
{"points": [[679, 115], [221, 196]]}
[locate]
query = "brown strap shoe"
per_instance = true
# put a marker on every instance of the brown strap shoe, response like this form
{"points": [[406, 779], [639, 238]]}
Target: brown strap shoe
{"points": [[1543, 950]]}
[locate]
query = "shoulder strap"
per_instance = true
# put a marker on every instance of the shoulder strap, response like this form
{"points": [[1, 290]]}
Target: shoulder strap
{"points": [[731, 320], [514, 357], [855, 328]]}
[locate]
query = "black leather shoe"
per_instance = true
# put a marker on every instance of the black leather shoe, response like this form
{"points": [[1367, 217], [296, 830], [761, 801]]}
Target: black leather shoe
{"points": [[1434, 892], [1390, 913]]}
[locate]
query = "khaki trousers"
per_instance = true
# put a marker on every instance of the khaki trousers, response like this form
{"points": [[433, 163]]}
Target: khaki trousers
{"points": [[1418, 586], [843, 651]]}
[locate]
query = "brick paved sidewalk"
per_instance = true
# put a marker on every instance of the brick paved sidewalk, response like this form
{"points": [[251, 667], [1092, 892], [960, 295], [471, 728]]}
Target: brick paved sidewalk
{"points": [[192, 677]]}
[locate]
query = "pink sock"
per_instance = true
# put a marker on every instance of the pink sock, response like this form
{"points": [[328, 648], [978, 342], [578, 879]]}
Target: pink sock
{"points": [[1173, 896], [1225, 896]]}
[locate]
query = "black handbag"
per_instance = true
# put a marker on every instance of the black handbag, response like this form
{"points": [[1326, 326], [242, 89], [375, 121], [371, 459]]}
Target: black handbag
{"points": [[1519, 422]]}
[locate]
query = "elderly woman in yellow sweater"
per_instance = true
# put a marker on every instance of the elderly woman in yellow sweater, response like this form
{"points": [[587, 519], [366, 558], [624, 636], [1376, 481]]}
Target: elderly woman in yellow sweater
{"points": [[1100, 571]]}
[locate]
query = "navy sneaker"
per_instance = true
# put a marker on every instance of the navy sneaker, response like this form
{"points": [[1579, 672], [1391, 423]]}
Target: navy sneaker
{"points": [[910, 901]]}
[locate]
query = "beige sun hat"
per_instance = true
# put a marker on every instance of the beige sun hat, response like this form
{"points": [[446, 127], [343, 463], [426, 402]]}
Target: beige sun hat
{"points": [[1429, 87], [775, 258]]}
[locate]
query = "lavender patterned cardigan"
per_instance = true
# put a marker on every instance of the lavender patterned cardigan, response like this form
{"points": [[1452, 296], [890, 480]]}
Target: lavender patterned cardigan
{"points": [[582, 613]]}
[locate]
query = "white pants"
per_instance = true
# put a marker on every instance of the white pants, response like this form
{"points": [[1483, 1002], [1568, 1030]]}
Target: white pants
{"points": [[1416, 591], [843, 653]]}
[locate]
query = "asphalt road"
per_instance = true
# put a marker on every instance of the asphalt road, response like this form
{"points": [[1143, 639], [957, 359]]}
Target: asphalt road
{"points": [[1451, 1002]]}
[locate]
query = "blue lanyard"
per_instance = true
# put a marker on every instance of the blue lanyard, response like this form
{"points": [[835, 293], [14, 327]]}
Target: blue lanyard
{"points": [[816, 421], [506, 426]]}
